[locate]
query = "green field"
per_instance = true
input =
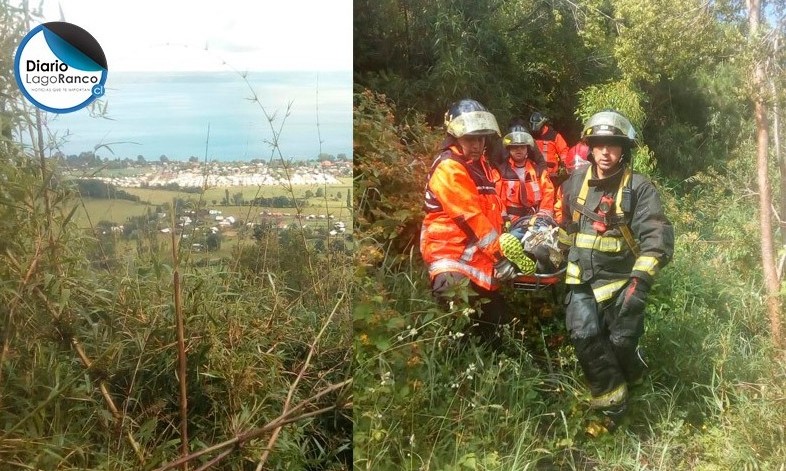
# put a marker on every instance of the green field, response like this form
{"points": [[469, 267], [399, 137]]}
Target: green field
{"points": [[159, 196], [92, 210]]}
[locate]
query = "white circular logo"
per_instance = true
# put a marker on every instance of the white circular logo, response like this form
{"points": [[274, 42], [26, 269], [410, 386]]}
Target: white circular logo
{"points": [[60, 67]]}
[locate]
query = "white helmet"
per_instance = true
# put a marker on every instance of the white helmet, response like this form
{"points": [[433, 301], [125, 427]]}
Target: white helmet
{"points": [[469, 118]]}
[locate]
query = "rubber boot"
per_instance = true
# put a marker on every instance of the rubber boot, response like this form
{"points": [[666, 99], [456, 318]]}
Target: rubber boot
{"points": [[633, 366], [606, 382], [612, 416]]}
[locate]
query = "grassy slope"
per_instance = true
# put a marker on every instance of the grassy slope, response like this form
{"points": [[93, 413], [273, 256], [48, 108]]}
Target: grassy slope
{"points": [[119, 210], [249, 327]]}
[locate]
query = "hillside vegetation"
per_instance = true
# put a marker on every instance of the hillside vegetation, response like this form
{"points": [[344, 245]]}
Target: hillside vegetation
{"points": [[426, 397], [147, 359]]}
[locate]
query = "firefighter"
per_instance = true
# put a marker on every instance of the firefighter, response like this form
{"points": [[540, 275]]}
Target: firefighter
{"points": [[459, 238], [577, 157], [527, 192], [551, 144], [620, 240]]}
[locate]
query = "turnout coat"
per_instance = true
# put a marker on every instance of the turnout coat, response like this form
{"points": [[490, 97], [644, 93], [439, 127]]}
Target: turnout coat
{"points": [[463, 219], [638, 239]]}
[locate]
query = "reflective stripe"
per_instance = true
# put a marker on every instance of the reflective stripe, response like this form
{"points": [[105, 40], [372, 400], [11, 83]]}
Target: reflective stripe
{"points": [[510, 191], [470, 250], [447, 264], [646, 264], [605, 292], [432, 204], [625, 178], [572, 274], [612, 398], [535, 188], [468, 253], [487, 190], [488, 239], [582, 197], [601, 243]]}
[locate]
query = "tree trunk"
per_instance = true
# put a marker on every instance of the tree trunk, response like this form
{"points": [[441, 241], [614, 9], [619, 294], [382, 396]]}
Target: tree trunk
{"points": [[776, 134], [765, 214]]}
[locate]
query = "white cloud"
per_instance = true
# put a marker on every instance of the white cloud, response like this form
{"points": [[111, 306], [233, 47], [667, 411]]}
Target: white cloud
{"points": [[161, 35]]}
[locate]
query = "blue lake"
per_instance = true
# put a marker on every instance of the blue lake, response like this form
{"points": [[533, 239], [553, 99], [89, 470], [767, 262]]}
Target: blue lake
{"points": [[153, 114]]}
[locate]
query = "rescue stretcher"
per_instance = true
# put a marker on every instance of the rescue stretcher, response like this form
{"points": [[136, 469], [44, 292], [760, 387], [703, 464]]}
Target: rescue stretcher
{"points": [[538, 281], [521, 251]]}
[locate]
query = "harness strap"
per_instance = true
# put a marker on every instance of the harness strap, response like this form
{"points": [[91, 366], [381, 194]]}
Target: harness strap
{"points": [[580, 209]]}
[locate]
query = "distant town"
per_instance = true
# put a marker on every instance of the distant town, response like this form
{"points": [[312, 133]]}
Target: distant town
{"points": [[140, 173]]}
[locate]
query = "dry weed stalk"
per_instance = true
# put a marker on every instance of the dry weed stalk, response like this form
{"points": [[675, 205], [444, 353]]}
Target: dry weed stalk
{"points": [[181, 345], [293, 387], [283, 419]]}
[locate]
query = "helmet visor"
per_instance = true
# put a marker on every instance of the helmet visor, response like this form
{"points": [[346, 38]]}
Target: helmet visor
{"points": [[518, 138], [609, 124], [473, 123]]}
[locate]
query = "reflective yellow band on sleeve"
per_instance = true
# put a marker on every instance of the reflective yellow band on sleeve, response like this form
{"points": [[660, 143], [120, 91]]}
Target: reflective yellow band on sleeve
{"points": [[607, 291], [647, 264], [600, 243]]}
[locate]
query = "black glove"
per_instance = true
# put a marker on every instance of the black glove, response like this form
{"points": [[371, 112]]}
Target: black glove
{"points": [[634, 297], [504, 270]]}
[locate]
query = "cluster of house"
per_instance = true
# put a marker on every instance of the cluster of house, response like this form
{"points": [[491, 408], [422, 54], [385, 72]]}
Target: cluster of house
{"points": [[222, 222], [186, 178]]}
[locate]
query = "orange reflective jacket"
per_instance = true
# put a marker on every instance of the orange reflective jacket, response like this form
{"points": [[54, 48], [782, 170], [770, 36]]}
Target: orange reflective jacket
{"points": [[525, 190], [553, 147], [463, 218]]}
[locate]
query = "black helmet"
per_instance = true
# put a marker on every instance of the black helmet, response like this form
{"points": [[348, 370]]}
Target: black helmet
{"points": [[469, 118], [536, 121], [518, 136]]}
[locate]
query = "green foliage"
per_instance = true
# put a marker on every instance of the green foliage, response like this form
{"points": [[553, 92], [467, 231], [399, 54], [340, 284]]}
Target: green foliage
{"points": [[426, 397], [248, 336], [391, 162], [663, 38], [617, 95], [425, 55], [99, 189]]}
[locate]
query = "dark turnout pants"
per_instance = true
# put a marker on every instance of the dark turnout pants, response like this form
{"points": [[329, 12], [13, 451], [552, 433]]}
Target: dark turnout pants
{"points": [[493, 312], [605, 342]]}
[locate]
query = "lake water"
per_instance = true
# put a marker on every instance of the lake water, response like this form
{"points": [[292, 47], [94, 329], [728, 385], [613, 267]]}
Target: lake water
{"points": [[154, 114]]}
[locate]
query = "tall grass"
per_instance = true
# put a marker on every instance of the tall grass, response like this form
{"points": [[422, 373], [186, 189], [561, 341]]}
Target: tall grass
{"points": [[89, 375], [429, 397]]}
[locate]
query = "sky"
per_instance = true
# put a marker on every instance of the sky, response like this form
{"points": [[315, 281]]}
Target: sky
{"points": [[216, 35], [166, 37]]}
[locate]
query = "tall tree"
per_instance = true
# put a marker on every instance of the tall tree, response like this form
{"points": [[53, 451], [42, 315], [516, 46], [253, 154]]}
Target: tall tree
{"points": [[762, 140]]}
